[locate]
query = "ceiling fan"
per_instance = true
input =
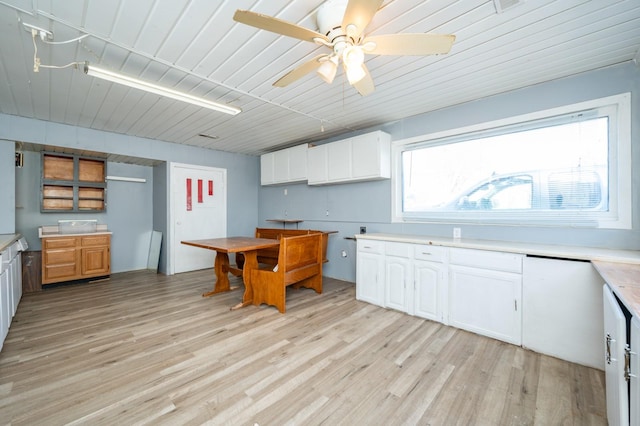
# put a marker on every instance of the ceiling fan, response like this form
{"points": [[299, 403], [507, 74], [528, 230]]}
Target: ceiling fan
{"points": [[341, 26]]}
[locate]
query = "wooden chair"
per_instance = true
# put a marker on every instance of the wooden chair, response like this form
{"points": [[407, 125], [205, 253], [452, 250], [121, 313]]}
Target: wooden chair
{"points": [[270, 256], [299, 264]]}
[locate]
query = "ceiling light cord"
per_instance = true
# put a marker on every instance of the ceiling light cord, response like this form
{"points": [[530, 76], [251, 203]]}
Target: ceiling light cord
{"points": [[36, 61], [67, 41]]}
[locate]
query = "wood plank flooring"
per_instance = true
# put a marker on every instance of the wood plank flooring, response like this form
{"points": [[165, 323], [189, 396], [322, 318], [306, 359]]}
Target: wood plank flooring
{"points": [[144, 348]]}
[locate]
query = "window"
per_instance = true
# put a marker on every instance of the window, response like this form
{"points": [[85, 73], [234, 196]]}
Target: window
{"points": [[568, 166]]}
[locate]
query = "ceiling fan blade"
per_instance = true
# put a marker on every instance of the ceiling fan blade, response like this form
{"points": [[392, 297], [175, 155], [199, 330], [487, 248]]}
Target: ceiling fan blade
{"points": [[359, 13], [299, 72], [409, 44], [276, 25], [365, 86]]}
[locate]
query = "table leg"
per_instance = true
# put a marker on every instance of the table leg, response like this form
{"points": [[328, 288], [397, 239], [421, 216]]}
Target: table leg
{"points": [[221, 268], [250, 262]]}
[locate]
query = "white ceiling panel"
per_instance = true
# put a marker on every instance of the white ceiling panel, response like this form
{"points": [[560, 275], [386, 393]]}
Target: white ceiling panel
{"points": [[196, 47]]}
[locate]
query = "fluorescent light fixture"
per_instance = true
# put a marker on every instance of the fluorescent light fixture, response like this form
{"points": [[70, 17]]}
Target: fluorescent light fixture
{"points": [[158, 90], [126, 179]]}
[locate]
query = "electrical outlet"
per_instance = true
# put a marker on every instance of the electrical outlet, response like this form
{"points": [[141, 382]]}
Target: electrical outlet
{"points": [[457, 233], [363, 229]]}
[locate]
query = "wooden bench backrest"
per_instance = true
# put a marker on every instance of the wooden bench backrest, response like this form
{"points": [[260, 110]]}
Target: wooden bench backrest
{"points": [[270, 255], [299, 251]]}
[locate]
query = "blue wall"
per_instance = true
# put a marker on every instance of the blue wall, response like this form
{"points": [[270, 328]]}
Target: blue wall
{"points": [[342, 208], [7, 187], [134, 209], [369, 203]]}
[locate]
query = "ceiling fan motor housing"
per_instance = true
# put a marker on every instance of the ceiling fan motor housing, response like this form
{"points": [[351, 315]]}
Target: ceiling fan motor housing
{"points": [[329, 18]]}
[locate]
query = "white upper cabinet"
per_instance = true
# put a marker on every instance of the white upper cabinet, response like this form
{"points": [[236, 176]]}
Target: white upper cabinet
{"points": [[284, 166], [360, 158]]}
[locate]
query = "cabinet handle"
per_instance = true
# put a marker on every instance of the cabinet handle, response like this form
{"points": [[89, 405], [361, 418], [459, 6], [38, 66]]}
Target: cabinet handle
{"points": [[608, 353], [627, 363]]}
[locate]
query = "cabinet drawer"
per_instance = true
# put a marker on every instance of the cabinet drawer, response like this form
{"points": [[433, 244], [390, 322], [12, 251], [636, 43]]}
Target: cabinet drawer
{"points": [[494, 260], [55, 243], [429, 252], [59, 257], [54, 273], [95, 240], [398, 249], [369, 246]]}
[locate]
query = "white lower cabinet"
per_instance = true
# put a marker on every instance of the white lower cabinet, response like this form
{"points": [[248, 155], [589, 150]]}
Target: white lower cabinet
{"points": [[634, 376], [556, 295], [615, 332], [397, 276], [429, 290], [621, 344], [370, 272], [486, 302]]}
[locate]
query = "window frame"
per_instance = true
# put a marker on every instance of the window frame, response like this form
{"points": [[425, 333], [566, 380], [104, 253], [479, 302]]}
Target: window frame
{"points": [[619, 215]]}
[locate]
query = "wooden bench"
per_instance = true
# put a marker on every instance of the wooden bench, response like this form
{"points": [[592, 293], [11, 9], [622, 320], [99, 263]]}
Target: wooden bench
{"points": [[270, 256], [299, 264]]}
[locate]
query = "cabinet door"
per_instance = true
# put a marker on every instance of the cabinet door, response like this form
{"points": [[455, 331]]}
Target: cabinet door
{"points": [[634, 388], [555, 295], [95, 261], [16, 282], [428, 291], [486, 302], [5, 308], [317, 164], [615, 334], [266, 169], [369, 278], [281, 166], [339, 161], [397, 283], [298, 163]]}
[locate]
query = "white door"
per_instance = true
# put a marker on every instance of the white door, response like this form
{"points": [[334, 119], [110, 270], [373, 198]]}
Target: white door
{"points": [[198, 211], [615, 334]]}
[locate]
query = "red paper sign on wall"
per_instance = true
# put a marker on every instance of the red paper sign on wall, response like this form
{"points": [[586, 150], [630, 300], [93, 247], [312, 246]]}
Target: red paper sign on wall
{"points": [[189, 205]]}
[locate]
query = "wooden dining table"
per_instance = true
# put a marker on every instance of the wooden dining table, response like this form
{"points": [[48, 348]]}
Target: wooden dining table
{"points": [[248, 246]]}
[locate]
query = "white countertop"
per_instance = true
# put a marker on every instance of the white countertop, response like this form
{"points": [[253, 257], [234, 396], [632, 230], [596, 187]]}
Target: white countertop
{"points": [[547, 250], [7, 239], [52, 231]]}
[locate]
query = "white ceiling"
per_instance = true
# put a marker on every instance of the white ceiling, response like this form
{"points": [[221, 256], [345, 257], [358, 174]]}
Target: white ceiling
{"points": [[195, 46]]}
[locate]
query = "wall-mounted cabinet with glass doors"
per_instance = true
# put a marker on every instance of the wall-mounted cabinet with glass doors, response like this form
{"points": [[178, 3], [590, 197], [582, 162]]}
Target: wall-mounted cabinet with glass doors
{"points": [[72, 183]]}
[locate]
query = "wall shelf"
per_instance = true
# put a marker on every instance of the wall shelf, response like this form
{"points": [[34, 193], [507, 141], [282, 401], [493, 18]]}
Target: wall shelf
{"points": [[72, 183]]}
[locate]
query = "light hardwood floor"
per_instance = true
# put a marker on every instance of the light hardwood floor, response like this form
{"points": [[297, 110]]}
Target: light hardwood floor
{"points": [[145, 348]]}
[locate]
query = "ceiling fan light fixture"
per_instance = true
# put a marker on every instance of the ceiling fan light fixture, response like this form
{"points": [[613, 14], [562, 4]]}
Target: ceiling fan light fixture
{"points": [[328, 69], [355, 73], [114, 77], [353, 56]]}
